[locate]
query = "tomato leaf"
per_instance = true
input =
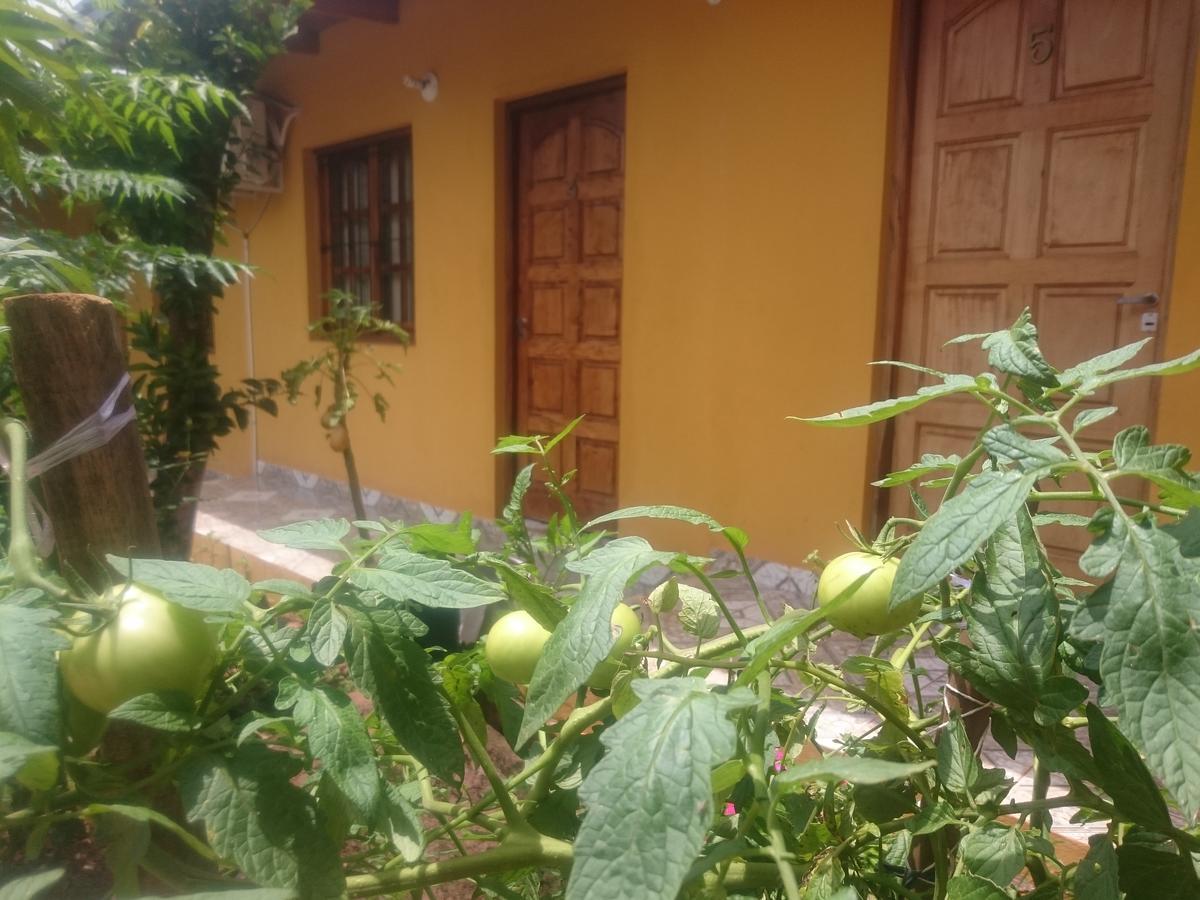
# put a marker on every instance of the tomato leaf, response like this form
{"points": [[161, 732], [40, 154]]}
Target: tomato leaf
{"points": [[583, 639], [1187, 532], [1096, 876], [29, 673], [536, 599], [26, 887], [337, 736], [406, 576], [317, 534], [166, 711], [735, 536], [1098, 365], [933, 818], [1059, 695], [957, 530], [1015, 351], [1162, 465], [326, 632], [1011, 618], [1151, 658], [957, 766], [1006, 443], [995, 852], [1168, 367], [284, 587], [1155, 871], [1124, 776], [973, 887], [398, 819], [512, 517], [854, 769], [1091, 417], [434, 537], [886, 409], [1105, 552], [256, 818], [34, 765], [928, 465], [395, 673], [193, 585], [655, 779], [699, 614]]}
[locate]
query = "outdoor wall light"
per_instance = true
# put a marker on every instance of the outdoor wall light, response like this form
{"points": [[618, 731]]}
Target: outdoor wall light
{"points": [[427, 84]]}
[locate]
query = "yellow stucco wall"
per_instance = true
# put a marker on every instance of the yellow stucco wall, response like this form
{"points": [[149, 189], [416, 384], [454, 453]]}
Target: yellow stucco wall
{"points": [[755, 158], [755, 162]]}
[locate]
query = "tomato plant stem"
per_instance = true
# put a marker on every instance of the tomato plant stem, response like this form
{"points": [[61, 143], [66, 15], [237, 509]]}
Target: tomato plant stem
{"points": [[758, 598], [22, 555], [756, 766], [1096, 497], [579, 720], [1025, 806], [527, 849], [512, 815], [699, 662], [961, 471], [902, 656]]}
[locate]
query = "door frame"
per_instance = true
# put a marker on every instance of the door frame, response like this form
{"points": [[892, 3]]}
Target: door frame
{"points": [[901, 133], [507, 263]]}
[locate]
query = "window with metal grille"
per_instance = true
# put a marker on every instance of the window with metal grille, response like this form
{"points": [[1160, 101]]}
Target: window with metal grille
{"points": [[367, 224]]}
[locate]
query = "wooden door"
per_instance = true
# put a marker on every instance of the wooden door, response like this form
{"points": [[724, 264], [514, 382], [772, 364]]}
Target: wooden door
{"points": [[1045, 154], [570, 200]]}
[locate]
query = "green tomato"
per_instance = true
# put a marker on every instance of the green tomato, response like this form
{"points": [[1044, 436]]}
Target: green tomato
{"points": [[150, 645], [626, 626], [866, 610], [514, 646]]}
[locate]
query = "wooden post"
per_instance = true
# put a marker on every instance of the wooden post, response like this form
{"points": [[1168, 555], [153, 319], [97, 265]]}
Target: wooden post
{"points": [[68, 355]]}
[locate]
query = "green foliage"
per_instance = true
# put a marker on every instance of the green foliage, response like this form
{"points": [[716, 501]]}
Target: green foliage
{"points": [[344, 328], [183, 412], [116, 129], [332, 753], [255, 818], [29, 706], [80, 133], [656, 778]]}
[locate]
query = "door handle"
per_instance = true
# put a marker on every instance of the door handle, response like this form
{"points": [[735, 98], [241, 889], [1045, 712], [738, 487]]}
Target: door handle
{"points": [[1147, 299], [522, 328]]}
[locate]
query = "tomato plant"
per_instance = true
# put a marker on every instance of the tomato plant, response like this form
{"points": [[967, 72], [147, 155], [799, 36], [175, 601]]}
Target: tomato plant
{"points": [[866, 608], [338, 366], [329, 754]]}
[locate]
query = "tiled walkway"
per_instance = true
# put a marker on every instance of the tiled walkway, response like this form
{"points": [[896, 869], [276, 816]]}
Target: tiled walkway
{"points": [[233, 509]]}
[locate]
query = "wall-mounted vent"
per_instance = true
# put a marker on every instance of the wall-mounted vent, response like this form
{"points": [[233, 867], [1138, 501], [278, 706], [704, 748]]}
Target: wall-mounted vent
{"points": [[256, 144]]}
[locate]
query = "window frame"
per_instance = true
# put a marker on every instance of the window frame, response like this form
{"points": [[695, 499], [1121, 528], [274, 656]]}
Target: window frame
{"points": [[320, 224]]}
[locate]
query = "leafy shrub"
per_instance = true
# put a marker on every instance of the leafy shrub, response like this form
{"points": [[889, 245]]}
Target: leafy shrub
{"points": [[696, 775]]}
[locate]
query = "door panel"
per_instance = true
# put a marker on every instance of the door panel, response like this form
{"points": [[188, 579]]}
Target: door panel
{"points": [[570, 204], [1044, 158]]}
